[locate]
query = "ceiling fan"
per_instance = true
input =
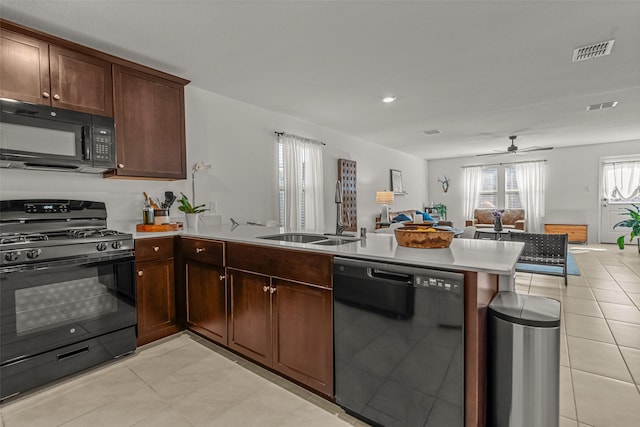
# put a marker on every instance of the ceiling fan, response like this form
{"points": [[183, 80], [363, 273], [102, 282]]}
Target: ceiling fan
{"points": [[513, 148]]}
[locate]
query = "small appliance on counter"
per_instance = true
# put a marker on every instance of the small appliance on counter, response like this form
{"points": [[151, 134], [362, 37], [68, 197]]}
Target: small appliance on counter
{"points": [[67, 289]]}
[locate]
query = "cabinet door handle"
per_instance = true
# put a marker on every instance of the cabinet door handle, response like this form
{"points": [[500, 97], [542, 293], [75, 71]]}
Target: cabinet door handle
{"points": [[120, 165], [222, 277], [56, 97], [199, 250], [265, 288], [272, 290], [139, 272], [156, 248], [45, 94]]}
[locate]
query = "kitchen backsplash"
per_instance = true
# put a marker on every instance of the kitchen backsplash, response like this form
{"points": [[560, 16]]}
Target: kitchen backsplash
{"points": [[124, 198]]}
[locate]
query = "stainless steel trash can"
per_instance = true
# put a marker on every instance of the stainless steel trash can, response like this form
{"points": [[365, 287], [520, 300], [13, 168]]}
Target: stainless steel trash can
{"points": [[524, 361]]}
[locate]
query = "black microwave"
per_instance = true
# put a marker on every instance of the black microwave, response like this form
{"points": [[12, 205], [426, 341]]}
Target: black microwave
{"points": [[46, 138]]}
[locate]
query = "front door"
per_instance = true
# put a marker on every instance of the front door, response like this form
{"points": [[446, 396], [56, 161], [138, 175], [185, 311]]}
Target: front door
{"points": [[610, 215]]}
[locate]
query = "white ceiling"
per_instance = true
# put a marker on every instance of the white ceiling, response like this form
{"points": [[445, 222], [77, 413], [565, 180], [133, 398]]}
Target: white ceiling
{"points": [[478, 71]]}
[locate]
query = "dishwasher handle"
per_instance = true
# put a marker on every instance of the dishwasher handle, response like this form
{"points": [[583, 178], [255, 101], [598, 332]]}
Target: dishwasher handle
{"points": [[389, 276]]}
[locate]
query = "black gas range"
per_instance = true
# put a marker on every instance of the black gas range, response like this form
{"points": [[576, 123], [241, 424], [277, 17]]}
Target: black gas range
{"points": [[35, 231], [67, 291]]}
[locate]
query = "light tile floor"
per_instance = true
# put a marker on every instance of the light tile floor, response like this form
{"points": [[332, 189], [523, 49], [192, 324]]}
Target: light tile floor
{"points": [[600, 340], [179, 381], [186, 381]]}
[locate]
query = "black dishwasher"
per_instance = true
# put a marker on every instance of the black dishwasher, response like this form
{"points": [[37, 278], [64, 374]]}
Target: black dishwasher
{"points": [[399, 343]]}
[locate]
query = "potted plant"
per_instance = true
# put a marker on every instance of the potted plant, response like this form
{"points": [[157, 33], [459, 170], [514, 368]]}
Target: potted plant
{"points": [[190, 211], [442, 210], [633, 223]]}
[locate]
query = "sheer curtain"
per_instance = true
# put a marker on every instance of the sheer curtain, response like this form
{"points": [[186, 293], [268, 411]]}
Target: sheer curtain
{"points": [[531, 186], [303, 183], [622, 181], [472, 184]]}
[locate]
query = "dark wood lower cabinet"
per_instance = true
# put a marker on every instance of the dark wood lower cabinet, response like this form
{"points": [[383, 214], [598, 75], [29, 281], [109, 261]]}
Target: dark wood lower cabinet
{"points": [[206, 295], [283, 325], [302, 334], [250, 316], [156, 300]]}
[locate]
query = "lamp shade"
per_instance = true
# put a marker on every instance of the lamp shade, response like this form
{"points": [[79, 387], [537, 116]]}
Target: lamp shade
{"points": [[384, 197]]}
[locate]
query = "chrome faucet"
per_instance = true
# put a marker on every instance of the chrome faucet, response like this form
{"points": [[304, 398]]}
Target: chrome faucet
{"points": [[340, 226]]}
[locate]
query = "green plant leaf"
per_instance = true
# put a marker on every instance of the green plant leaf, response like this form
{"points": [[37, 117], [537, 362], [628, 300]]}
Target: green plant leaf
{"points": [[620, 242]]}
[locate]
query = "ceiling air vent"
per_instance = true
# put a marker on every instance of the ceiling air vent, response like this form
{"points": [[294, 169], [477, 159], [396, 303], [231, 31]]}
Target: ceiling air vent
{"points": [[602, 106], [592, 51], [431, 132]]}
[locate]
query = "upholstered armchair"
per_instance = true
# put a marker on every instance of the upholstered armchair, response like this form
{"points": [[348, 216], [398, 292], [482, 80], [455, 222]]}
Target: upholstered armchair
{"points": [[511, 218]]}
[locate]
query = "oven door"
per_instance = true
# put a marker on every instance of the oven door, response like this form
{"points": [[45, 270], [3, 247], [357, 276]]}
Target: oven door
{"points": [[54, 304]]}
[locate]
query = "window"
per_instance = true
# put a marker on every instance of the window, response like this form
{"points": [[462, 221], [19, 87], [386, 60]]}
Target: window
{"points": [[495, 192], [621, 181], [511, 191], [488, 197], [300, 183], [281, 186]]}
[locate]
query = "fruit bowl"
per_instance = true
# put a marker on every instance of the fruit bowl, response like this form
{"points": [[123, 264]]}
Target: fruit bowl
{"points": [[423, 236]]}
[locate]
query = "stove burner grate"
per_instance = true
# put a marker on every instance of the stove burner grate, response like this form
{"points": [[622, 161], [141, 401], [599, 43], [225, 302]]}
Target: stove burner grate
{"points": [[6, 239], [91, 232]]}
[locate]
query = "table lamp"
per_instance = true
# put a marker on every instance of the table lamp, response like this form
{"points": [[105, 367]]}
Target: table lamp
{"points": [[385, 198]]}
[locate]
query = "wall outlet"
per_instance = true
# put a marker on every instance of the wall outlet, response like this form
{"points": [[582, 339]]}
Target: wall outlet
{"points": [[213, 207]]}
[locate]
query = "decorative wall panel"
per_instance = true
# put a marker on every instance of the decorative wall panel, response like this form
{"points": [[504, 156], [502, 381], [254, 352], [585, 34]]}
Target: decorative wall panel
{"points": [[347, 176]]}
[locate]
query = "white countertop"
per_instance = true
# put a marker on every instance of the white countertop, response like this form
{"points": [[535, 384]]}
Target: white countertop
{"points": [[488, 256]]}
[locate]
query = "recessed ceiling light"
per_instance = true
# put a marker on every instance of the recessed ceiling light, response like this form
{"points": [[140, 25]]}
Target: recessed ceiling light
{"points": [[431, 132], [389, 99], [604, 105]]}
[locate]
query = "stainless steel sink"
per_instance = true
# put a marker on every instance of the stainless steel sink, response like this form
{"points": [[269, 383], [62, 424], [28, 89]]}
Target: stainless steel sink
{"points": [[295, 237], [316, 239], [334, 241]]}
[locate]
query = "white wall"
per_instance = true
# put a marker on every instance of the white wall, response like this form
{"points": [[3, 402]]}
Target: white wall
{"points": [[238, 140], [572, 181]]}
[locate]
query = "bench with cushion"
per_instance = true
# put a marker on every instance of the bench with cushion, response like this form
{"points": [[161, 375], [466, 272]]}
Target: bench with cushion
{"points": [[511, 218], [549, 250]]}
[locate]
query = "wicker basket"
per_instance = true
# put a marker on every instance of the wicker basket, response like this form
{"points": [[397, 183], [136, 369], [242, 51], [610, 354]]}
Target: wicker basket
{"points": [[423, 236]]}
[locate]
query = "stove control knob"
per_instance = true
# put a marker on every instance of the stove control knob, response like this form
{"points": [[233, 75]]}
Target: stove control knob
{"points": [[116, 245], [12, 256], [33, 253], [102, 246]]}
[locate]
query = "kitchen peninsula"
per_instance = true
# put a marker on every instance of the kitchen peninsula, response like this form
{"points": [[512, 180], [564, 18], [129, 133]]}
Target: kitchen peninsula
{"points": [[246, 266]]}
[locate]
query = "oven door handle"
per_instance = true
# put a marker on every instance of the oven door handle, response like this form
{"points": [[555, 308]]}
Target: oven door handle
{"points": [[73, 353], [78, 261]]}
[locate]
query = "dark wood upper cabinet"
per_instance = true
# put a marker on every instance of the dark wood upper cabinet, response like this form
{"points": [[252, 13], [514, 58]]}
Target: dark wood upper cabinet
{"points": [[24, 68], [147, 104], [36, 71], [150, 134], [80, 82]]}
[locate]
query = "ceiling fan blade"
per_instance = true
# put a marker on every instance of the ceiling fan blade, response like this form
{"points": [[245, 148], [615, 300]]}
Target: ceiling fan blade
{"points": [[530, 149], [497, 153]]}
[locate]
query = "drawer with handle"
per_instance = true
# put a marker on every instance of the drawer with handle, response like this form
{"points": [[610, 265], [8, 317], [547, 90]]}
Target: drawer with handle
{"points": [[208, 251], [154, 248]]}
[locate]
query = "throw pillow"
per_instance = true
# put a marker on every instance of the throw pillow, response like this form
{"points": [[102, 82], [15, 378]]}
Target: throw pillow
{"points": [[425, 216], [401, 218]]}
